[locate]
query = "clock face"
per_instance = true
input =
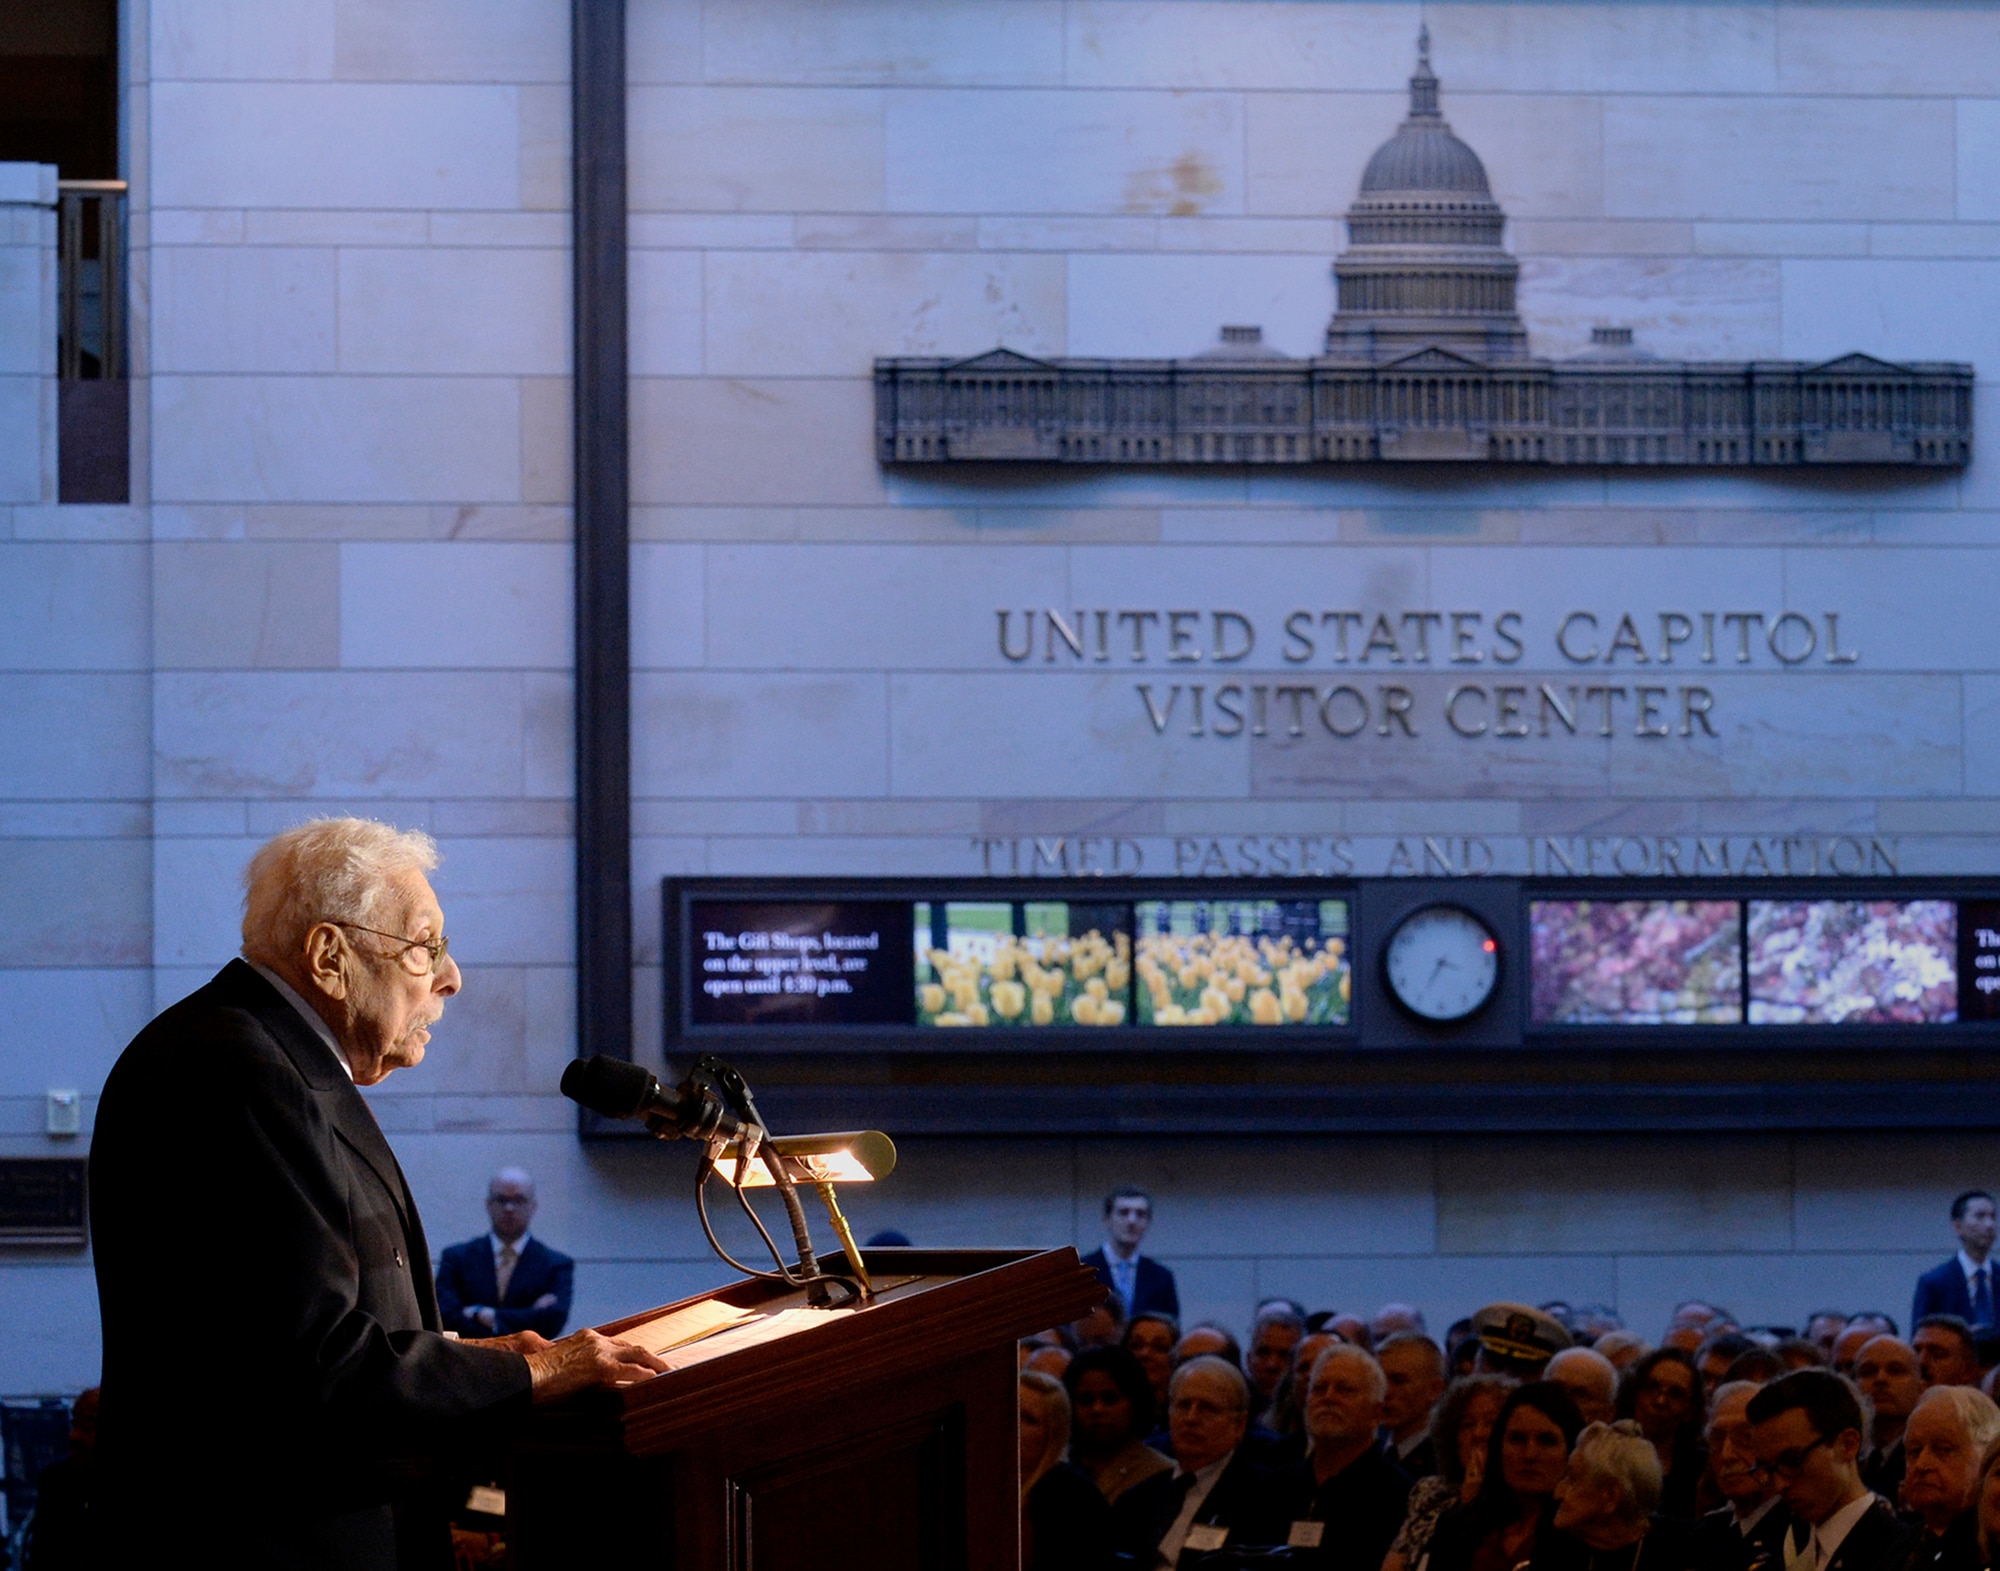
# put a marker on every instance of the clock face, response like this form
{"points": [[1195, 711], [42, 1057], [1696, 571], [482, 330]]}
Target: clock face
{"points": [[1442, 963]]}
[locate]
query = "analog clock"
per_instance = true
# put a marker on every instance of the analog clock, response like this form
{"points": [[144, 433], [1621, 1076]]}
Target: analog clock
{"points": [[1442, 963]]}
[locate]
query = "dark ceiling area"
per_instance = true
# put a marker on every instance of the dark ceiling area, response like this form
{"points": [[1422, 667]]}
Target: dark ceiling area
{"points": [[59, 86]]}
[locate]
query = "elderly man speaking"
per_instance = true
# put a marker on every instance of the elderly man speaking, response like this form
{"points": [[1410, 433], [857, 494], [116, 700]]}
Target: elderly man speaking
{"points": [[277, 1390]]}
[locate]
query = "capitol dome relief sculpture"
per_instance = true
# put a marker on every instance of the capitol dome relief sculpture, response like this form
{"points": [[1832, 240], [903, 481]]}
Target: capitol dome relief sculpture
{"points": [[1425, 358]]}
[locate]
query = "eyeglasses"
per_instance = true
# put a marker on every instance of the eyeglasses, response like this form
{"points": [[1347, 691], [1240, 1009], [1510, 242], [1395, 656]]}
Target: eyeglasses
{"points": [[433, 949], [1789, 1464]]}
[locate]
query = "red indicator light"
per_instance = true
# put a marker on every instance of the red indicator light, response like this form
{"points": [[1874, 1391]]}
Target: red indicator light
{"points": [[1489, 946]]}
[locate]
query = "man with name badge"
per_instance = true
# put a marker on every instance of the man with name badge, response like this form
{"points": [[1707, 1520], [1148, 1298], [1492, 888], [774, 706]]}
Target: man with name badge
{"points": [[1346, 1482], [1215, 1494]]}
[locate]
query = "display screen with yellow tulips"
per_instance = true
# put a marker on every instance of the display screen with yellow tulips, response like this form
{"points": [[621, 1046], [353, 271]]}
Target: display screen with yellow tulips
{"points": [[1242, 963], [1023, 963]]}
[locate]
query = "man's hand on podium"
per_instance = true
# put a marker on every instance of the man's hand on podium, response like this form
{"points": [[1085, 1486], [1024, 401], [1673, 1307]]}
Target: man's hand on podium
{"points": [[578, 1362]]}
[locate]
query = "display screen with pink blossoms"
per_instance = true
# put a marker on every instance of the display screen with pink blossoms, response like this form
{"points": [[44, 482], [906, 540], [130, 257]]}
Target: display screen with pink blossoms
{"points": [[1822, 962], [1636, 962]]}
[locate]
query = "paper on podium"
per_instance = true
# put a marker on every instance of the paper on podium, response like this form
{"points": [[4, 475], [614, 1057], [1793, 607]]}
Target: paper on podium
{"points": [[754, 1333], [661, 1335]]}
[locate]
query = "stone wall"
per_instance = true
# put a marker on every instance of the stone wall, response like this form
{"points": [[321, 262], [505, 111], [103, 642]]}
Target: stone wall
{"points": [[345, 582]]}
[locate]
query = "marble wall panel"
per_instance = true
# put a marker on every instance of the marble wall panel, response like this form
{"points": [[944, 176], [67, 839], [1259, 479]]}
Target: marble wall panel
{"points": [[1696, 308], [1544, 153], [245, 603], [454, 605], [879, 41], [450, 309], [1148, 306], [460, 41], [830, 313], [662, 41], [1182, 44], [27, 280], [741, 441], [74, 736], [75, 903], [1034, 151], [1903, 610], [1012, 734], [755, 149], [326, 144], [198, 898], [1900, 309], [1979, 159], [1674, 156], [1636, 1193], [72, 607], [511, 900], [250, 40], [363, 736], [846, 607], [336, 439], [1887, 49], [479, 1046], [242, 308], [1603, 47], [666, 306], [27, 456], [67, 1027], [722, 734], [1888, 1192], [669, 606]]}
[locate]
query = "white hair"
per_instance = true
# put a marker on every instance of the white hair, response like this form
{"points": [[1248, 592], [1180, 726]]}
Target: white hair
{"points": [[1622, 1455], [1977, 1412], [1378, 1383], [325, 870]]}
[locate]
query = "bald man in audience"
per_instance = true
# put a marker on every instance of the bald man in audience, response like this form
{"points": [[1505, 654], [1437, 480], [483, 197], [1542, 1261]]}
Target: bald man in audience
{"points": [[1848, 1345], [1886, 1370], [1590, 1378]]}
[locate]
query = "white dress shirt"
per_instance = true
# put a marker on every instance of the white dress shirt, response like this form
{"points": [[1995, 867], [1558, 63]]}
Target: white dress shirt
{"points": [[1832, 1533], [1175, 1537], [291, 996]]}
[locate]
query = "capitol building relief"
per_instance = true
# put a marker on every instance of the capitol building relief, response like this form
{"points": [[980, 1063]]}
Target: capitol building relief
{"points": [[1425, 359]]}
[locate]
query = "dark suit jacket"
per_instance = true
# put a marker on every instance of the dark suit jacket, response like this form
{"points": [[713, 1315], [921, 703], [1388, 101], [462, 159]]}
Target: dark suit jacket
{"points": [[1882, 1471], [1152, 1288], [466, 1281], [1941, 1291], [276, 1393], [1714, 1544], [1243, 1500], [1880, 1541], [1362, 1505], [1955, 1549]]}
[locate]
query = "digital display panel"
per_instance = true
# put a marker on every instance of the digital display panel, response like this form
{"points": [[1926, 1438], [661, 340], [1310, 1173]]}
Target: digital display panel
{"points": [[1635, 962], [1828, 962], [1022, 963], [798, 963], [1979, 960], [1242, 963]]}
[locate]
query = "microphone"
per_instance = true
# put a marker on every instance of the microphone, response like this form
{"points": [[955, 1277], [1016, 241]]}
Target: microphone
{"points": [[618, 1088]]}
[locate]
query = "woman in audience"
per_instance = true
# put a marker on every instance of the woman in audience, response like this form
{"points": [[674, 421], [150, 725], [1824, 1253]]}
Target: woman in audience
{"points": [[1065, 1522], [1949, 1429], [1150, 1338], [1461, 1425], [1662, 1394], [1508, 1524], [1111, 1413], [1605, 1502]]}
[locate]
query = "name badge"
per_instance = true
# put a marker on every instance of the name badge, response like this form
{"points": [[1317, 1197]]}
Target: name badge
{"points": [[487, 1500], [1306, 1535], [1206, 1535]]}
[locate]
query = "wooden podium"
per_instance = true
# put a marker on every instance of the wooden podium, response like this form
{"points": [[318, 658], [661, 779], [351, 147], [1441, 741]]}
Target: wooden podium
{"points": [[883, 1439]]}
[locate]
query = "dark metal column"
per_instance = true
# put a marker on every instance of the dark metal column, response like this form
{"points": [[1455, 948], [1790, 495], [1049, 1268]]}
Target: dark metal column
{"points": [[602, 448]]}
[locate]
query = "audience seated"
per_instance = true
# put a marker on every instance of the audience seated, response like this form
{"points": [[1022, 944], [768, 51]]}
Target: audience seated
{"points": [[1216, 1494], [1111, 1413], [1748, 1529], [1207, 1339], [1345, 1500], [1713, 1358], [1461, 1426], [1588, 1376], [1823, 1328], [1517, 1340], [1285, 1417], [1947, 1351], [1760, 1366], [1605, 1502], [1662, 1393], [1104, 1326], [1395, 1320], [1949, 1430], [1065, 1522], [1623, 1348], [1413, 1368], [1150, 1338], [1797, 1352], [1509, 1523], [1806, 1427], [1276, 1330], [1887, 1373], [1848, 1345]]}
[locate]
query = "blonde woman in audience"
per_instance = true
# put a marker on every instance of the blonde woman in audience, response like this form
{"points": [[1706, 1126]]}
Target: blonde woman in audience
{"points": [[1065, 1522], [1606, 1500]]}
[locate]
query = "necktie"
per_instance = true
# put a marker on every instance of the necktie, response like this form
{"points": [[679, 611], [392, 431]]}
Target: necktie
{"points": [[1982, 1298], [503, 1269]]}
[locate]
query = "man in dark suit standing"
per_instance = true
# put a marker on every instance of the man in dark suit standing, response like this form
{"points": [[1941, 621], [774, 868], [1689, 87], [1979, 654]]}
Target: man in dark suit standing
{"points": [[277, 1389], [506, 1281], [1216, 1496], [1806, 1427], [1143, 1283], [1963, 1285]]}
